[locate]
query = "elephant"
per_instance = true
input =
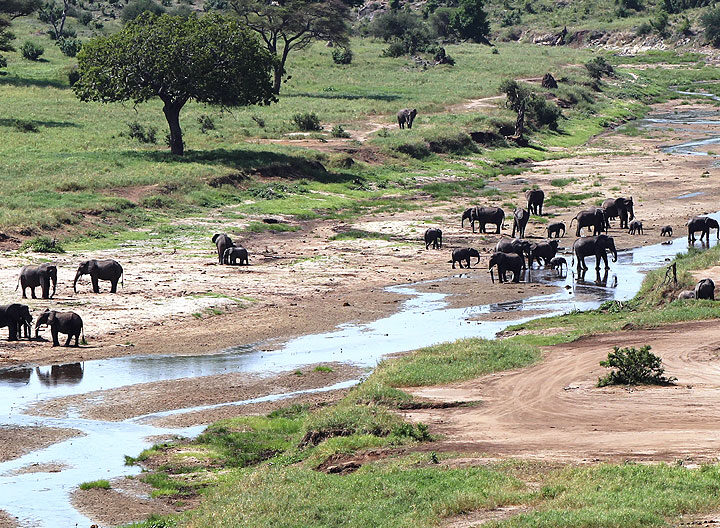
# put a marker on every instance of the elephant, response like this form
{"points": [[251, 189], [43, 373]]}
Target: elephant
{"points": [[487, 215], [107, 270], [535, 199], [554, 230], [520, 220], [406, 117], [41, 275], [594, 246], [591, 218], [558, 263], [543, 250], [517, 246], [459, 255], [68, 323], [506, 262], [222, 241], [619, 207], [433, 236], [705, 289], [16, 317], [666, 231], [635, 228], [703, 224], [467, 215], [686, 294], [235, 253]]}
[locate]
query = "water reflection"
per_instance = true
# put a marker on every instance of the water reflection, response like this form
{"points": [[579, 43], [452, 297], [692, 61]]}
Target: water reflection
{"points": [[16, 375], [68, 374]]}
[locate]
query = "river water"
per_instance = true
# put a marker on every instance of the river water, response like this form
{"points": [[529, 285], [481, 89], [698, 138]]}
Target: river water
{"points": [[42, 499]]}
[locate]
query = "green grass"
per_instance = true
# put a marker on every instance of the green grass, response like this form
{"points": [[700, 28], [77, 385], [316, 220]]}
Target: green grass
{"points": [[565, 200], [259, 227], [360, 233], [95, 484], [562, 182], [323, 368]]}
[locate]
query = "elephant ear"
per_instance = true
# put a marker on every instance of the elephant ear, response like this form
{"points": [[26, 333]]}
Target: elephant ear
{"points": [[51, 317], [215, 237]]}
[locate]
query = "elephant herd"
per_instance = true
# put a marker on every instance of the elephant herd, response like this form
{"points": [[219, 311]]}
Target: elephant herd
{"points": [[516, 254], [17, 318]]}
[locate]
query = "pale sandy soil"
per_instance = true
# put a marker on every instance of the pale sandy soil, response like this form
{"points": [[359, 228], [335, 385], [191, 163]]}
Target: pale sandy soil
{"points": [[17, 441], [554, 410], [7, 521]]}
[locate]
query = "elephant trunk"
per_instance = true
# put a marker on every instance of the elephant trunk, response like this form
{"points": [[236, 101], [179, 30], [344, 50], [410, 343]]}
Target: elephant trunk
{"points": [[77, 276], [492, 277], [614, 252]]}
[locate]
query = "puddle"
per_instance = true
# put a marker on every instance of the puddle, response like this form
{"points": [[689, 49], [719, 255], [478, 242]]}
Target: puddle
{"points": [[689, 195], [42, 499]]}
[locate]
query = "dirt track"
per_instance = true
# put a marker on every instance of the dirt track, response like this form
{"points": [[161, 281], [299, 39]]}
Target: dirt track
{"points": [[553, 410]]}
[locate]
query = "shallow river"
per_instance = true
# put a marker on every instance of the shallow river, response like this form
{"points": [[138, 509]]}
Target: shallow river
{"points": [[42, 499]]}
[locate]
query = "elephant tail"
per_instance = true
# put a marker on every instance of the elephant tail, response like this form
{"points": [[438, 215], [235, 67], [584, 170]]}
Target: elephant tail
{"points": [[122, 279], [492, 277], [18, 284], [82, 333], [571, 221]]}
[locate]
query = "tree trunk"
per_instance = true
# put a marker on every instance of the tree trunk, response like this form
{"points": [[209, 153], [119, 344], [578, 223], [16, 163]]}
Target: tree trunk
{"points": [[172, 114], [278, 79]]}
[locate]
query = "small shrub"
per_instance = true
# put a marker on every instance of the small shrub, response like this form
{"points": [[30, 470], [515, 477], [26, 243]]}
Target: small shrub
{"points": [[85, 17], [31, 51], [339, 132], [137, 7], [95, 484], [394, 50], [69, 46], [43, 244], [73, 74], [206, 123], [643, 29], [342, 55], [634, 367], [598, 67], [259, 121], [307, 121], [323, 368], [142, 134], [22, 125], [710, 21], [542, 112], [415, 149]]}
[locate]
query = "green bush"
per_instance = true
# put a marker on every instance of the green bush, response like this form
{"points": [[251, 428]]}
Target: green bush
{"points": [[339, 132], [710, 21], [542, 112], [634, 367], [342, 55], [307, 121], [70, 46], [31, 51], [415, 149], [137, 7], [43, 244], [206, 123], [95, 484], [142, 134], [73, 74], [598, 67]]}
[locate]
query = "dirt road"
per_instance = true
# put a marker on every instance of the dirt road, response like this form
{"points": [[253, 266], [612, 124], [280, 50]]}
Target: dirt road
{"points": [[554, 410]]}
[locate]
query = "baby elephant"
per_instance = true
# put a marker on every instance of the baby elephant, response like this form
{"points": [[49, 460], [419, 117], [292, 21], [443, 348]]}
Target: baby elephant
{"points": [[635, 228], [666, 231], [107, 270], [464, 254], [558, 263], [553, 230], [433, 236], [406, 117], [68, 323], [232, 254], [506, 262], [705, 289], [686, 294]]}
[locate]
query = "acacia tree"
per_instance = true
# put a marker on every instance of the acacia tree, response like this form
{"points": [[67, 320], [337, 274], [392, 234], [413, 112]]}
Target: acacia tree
{"points": [[212, 60], [9, 10], [293, 24], [469, 21]]}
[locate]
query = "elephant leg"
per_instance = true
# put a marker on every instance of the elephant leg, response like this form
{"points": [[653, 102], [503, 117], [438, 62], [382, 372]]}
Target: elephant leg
{"points": [[24, 296], [467, 264], [453, 262], [12, 332], [95, 285], [77, 339], [69, 338], [54, 333], [497, 232], [113, 286], [32, 292]]}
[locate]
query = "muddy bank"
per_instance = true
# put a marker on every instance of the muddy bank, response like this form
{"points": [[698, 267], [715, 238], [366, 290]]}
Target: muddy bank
{"points": [[7, 521], [17, 441], [127, 501], [40, 468], [147, 398]]}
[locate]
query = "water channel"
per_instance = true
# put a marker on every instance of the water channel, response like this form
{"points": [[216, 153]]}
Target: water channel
{"points": [[43, 499]]}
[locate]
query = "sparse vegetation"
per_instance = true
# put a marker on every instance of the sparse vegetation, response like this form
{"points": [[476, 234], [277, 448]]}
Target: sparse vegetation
{"points": [[633, 367], [95, 484]]}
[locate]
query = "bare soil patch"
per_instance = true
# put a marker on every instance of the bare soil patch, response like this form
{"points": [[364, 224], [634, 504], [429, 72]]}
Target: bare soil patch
{"points": [[554, 411], [127, 501], [7, 520], [40, 468], [146, 398], [18, 441]]}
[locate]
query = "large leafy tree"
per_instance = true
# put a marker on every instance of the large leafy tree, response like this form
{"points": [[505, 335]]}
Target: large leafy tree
{"points": [[211, 59], [469, 21], [10, 9], [288, 25]]}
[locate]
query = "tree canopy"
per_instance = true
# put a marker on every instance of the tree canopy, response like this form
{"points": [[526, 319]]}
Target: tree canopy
{"points": [[469, 21], [212, 59], [293, 24]]}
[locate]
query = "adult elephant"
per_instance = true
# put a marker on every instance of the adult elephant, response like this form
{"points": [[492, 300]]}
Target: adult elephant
{"points": [[467, 215], [506, 262], [433, 236], [520, 220], [487, 215], [516, 246], [107, 270], [222, 241], [619, 207], [68, 323], [592, 219], [41, 275], [535, 199], [596, 246], [705, 289], [543, 251], [703, 224], [464, 254], [16, 317]]}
